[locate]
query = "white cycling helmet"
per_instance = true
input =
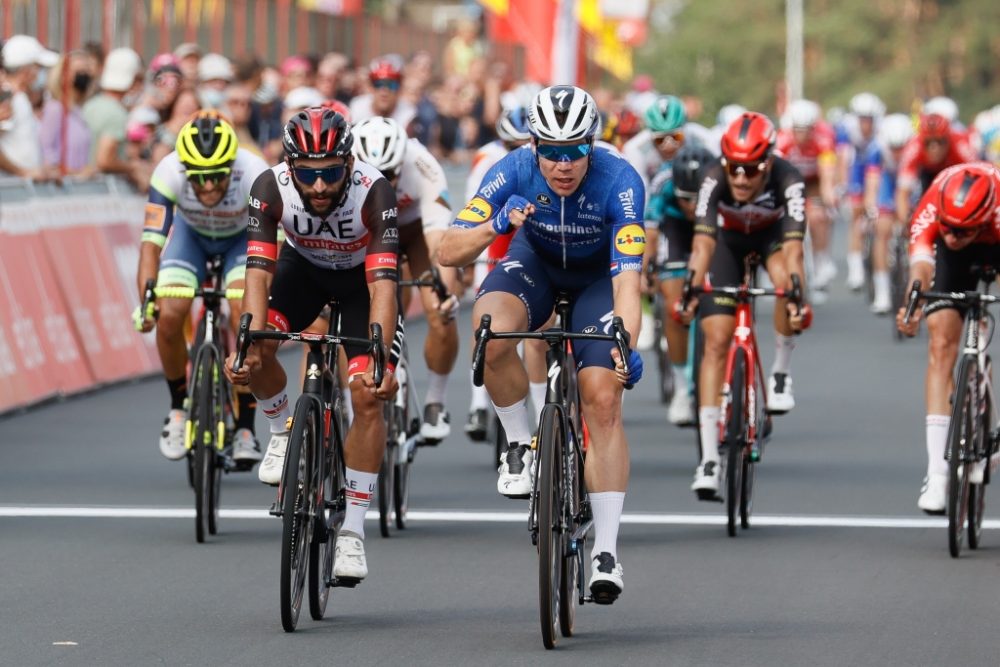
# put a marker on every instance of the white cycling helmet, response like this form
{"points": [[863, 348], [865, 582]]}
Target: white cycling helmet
{"points": [[728, 114], [803, 113], [942, 106], [895, 130], [563, 113], [381, 142], [512, 125], [867, 105]]}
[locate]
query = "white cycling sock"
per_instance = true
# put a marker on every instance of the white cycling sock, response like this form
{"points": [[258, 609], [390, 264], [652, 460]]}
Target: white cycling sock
{"points": [[537, 391], [680, 381], [708, 426], [607, 509], [783, 346], [359, 489], [277, 411], [436, 386], [480, 397], [855, 263], [937, 440], [514, 419], [880, 279]]}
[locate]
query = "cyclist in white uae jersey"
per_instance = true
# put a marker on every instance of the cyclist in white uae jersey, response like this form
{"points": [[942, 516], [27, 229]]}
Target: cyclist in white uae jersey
{"points": [[424, 216], [197, 208], [341, 242]]}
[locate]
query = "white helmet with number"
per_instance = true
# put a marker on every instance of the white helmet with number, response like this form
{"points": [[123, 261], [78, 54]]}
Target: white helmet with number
{"points": [[942, 106], [895, 130], [867, 105], [563, 113], [803, 113], [381, 142]]}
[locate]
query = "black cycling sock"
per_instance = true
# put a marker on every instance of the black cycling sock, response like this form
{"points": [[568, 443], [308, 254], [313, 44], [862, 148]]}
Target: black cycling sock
{"points": [[246, 405], [178, 392]]}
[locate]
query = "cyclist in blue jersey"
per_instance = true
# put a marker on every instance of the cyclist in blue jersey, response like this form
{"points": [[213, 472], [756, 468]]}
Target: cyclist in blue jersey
{"points": [[576, 213]]}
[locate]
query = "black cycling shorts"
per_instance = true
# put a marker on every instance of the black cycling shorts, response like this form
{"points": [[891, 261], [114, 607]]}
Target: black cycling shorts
{"points": [[731, 250], [952, 274]]}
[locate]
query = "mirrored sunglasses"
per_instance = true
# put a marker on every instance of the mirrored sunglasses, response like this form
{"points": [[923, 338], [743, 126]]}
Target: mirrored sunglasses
{"points": [[309, 175], [676, 137], [748, 169], [564, 152], [391, 84]]}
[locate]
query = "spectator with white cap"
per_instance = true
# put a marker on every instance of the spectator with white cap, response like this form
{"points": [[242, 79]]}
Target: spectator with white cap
{"points": [[107, 116], [300, 98], [19, 144], [215, 72], [189, 55]]}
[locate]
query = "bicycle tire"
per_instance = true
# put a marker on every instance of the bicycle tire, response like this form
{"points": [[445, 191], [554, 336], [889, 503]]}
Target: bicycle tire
{"points": [[960, 435], [666, 384], [898, 277], [735, 442], [550, 534], [329, 513], [401, 480], [572, 567], [867, 261], [386, 486], [222, 434], [297, 496], [203, 436], [977, 492]]}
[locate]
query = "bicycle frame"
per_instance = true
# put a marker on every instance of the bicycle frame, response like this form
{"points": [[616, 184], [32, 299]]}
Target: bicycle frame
{"points": [[745, 339]]}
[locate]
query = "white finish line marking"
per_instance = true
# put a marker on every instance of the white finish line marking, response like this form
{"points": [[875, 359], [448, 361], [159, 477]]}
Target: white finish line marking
{"points": [[445, 516]]}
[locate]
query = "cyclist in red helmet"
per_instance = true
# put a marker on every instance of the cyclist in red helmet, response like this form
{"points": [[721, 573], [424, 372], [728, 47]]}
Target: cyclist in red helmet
{"points": [[955, 225], [341, 241], [751, 201], [936, 147], [385, 75]]}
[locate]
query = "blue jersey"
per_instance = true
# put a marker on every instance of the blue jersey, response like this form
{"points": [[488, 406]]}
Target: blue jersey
{"points": [[600, 226], [662, 201]]}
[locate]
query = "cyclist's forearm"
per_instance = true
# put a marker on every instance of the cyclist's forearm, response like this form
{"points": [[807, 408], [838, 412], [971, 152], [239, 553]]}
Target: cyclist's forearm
{"points": [[460, 246], [149, 265], [628, 301], [795, 261], [922, 271], [702, 248], [383, 307], [902, 203], [258, 287]]}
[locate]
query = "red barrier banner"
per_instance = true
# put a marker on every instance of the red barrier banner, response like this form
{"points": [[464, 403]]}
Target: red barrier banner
{"points": [[40, 355]]}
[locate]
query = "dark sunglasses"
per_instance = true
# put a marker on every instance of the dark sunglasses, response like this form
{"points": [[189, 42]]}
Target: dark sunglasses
{"points": [[686, 196], [391, 84], [205, 176], [960, 232], [564, 152], [748, 169], [330, 175], [676, 137]]}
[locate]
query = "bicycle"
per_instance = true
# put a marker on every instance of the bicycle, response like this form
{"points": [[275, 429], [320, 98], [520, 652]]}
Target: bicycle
{"points": [[972, 440], [402, 424], [899, 271], [746, 425], [559, 515], [311, 496], [210, 424]]}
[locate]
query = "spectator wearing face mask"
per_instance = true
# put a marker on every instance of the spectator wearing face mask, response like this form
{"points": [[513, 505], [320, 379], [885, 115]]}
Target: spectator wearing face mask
{"points": [[23, 60], [106, 114], [215, 73], [65, 105]]}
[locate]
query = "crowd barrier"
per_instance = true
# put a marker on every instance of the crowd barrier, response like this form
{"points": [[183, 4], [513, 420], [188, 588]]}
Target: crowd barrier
{"points": [[68, 256]]}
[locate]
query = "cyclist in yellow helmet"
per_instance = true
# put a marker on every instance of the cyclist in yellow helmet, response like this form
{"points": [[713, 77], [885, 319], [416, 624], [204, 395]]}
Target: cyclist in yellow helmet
{"points": [[197, 209]]}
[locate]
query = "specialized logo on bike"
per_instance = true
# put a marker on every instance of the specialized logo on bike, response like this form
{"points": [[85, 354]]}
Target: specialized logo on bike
{"points": [[630, 240], [589, 330], [478, 210]]}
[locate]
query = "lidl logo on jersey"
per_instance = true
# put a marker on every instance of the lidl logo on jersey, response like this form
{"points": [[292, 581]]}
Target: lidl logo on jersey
{"points": [[478, 210], [630, 240]]}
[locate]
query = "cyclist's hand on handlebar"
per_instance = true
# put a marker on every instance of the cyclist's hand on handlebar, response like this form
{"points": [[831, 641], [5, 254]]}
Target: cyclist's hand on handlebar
{"points": [[800, 317], [250, 363], [144, 324], [684, 312], [515, 211], [448, 308], [384, 391], [909, 328], [634, 367]]}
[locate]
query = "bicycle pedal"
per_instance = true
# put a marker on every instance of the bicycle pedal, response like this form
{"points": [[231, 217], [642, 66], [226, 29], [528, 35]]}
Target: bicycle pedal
{"points": [[604, 592], [709, 495], [344, 582], [241, 466], [275, 509], [428, 442]]}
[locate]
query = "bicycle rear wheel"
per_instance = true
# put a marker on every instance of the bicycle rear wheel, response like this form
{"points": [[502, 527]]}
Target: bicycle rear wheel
{"points": [[977, 492], [297, 495], [550, 533], [961, 434], [329, 515], [735, 442], [570, 583], [401, 490], [202, 427]]}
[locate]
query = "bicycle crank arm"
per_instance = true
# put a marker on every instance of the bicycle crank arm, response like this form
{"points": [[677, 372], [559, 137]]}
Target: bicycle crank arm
{"points": [[579, 534]]}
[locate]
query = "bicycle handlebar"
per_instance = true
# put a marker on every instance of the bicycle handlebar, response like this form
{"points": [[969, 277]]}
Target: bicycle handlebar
{"points": [[916, 295], [374, 344], [179, 292], [744, 292], [554, 335]]}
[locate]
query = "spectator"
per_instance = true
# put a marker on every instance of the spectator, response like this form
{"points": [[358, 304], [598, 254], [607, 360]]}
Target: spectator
{"points": [[328, 75], [107, 116], [463, 48], [298, 99], [265, 118], [189, 55], [386, 76], [215, 73], [237, 109], [166, 84], [416, 86], [79, 75], [140, 134], [184, 107], [296, 72], [23, 56]]}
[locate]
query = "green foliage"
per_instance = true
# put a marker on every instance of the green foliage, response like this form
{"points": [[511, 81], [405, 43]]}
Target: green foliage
{"points": [[901, 50]]}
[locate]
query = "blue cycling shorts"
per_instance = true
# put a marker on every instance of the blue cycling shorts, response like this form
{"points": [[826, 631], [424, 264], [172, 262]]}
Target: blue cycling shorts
{"points": [[185, 257]]}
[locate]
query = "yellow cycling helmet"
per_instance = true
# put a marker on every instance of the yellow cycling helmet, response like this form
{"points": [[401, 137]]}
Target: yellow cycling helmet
{"points": [[207, 142]]}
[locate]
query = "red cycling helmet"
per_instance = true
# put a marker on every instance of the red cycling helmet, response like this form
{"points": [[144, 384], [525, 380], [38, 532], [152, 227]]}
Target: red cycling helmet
{"points": [[318, 133], [934, 126], [628, 124], [386, 67], [339, 107], [967, 197], [749, 138]]}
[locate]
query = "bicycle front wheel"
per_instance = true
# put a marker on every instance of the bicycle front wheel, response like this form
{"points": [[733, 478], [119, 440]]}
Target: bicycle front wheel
{"points": [[961, 434], [329, 514], [570, 582], [202, 430], [550, 533], [297, 494], [386, 486], [735, 441], [977, 492]]}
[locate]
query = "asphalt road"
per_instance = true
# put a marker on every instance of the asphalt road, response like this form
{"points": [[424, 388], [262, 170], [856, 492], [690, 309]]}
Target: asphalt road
{"points": [[101, 566]]}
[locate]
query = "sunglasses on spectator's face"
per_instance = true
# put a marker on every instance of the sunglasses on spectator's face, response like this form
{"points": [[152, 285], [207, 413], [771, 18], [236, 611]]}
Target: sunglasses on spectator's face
{"points": [[203, 177], [309, 175], [748, 169], [391, 84], [676, 137], [564, 152], [960, 232]]}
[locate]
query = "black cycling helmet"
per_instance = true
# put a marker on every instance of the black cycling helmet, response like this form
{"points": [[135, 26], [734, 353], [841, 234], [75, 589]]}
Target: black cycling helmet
{"points": [[317, 132], [689, 168]]}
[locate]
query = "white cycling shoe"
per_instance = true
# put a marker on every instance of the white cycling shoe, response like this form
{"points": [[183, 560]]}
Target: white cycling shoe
{"points": [[679, 412], [349, 560], [270, 468], [605, 578], [245, 447], [516, 466], [779, 394], [172, 435], [934, 494], [706, 480]]}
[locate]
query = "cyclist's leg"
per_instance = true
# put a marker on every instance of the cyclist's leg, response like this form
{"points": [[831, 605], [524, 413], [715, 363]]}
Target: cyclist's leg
{"points": [[880, 261], [779, 386], [819, 230], [855, 239], [534, 362], [673, 255]]}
